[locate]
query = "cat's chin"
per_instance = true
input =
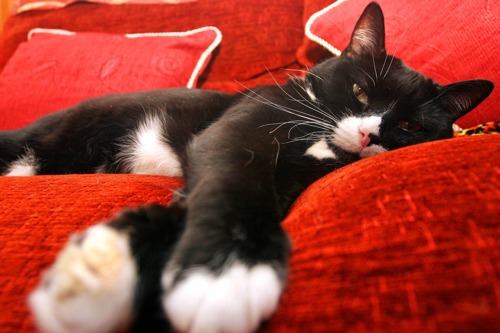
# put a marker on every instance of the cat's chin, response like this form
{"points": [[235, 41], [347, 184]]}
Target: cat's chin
{"points": [[371, 151]]}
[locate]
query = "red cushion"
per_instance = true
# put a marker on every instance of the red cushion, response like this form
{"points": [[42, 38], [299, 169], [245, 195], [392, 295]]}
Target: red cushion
{"points": [[20, 6], [56, 69], [406, 241], [448, 41], [258, 34]]}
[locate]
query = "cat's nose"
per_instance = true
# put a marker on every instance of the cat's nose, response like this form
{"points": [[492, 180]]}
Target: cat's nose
{"points": [[365, 137]]}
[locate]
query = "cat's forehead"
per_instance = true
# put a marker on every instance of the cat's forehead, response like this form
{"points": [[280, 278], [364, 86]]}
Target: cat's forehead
{"points": [[385, 80], [389, 75]]}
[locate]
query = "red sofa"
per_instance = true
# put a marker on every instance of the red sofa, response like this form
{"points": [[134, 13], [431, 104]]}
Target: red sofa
{"points": [[408, 240]]}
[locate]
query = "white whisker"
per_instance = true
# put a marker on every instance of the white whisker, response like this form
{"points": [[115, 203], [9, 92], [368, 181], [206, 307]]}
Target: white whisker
{"points": [[297, 123], [288, 110], [394, 54], [278, 152], [311, 106], [369, 76], [302, 114], [313, 136], [388, 68], [374, 67], [383, 65], [432, 100], [314, 107], [303, 71]]}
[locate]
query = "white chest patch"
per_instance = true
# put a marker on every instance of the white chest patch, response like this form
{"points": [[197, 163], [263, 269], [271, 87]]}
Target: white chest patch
{"points": [[146, 152], [320, 150], [24, 166]]}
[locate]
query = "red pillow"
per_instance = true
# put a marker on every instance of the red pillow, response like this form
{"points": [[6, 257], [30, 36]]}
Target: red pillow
{"points": [[56, 69], [20, 6], [449, 41], [249, 49]]}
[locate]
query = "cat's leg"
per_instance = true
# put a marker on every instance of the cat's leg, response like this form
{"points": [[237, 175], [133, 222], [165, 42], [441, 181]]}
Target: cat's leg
{"points": [[229, 268], [108, 277], [224, 283]]}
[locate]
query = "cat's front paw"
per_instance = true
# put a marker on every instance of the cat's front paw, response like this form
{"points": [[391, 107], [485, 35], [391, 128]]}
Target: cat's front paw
{"points": [[90, 288], [234, 299]]}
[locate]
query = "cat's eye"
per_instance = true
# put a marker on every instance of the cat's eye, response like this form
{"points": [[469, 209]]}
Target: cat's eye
{"points": [[360, 94], [408, 126]]}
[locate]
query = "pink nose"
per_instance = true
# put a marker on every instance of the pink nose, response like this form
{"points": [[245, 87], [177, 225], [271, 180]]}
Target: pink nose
{"points": [[365, 138]]}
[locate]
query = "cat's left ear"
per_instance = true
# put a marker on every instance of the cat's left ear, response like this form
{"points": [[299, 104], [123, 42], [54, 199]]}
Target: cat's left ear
{"points": [[368, 37], [462, 97]]}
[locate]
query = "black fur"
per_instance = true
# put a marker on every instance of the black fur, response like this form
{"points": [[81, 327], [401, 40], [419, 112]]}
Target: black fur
{"points": [[83, 138], [153, 231]]}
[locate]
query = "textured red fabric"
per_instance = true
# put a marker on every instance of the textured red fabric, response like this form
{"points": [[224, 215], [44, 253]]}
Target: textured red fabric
{"points": [[448, 41], [310, 52], [56, 69], [258, 35], [39, 213], [404, 241]]}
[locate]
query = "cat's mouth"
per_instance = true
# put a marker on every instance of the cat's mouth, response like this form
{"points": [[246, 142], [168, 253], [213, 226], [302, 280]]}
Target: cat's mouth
{"points": [[371, 150], [359, 135], [370, 145]]}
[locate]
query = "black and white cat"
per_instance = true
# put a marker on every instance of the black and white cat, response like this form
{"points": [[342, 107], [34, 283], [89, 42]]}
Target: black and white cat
{"points": [[215, 260]]}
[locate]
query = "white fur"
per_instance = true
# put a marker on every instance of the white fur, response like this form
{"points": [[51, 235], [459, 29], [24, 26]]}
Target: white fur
{"points": [[457, 128], [320, 150], [350, 132], [372, 150], [366, 38], [310, 92], [24, 166], [90, 288], [101, 169], [234, 302], [146, 152]]}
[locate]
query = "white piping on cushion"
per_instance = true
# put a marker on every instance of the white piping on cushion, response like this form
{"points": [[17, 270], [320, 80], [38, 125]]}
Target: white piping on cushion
{"points": [[40, 4], [316, 38], [50, 31], [60, 4]]}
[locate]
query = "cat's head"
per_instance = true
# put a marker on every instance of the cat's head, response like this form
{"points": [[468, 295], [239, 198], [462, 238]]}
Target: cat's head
{"points": [[378, 102]]}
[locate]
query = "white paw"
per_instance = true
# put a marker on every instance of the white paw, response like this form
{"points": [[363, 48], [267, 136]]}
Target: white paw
{"points": [[90, 288], [236, 301]]}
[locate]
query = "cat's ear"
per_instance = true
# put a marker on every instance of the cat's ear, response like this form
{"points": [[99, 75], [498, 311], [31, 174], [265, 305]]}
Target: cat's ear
{"points": [[368, 37], [462, 97]]}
